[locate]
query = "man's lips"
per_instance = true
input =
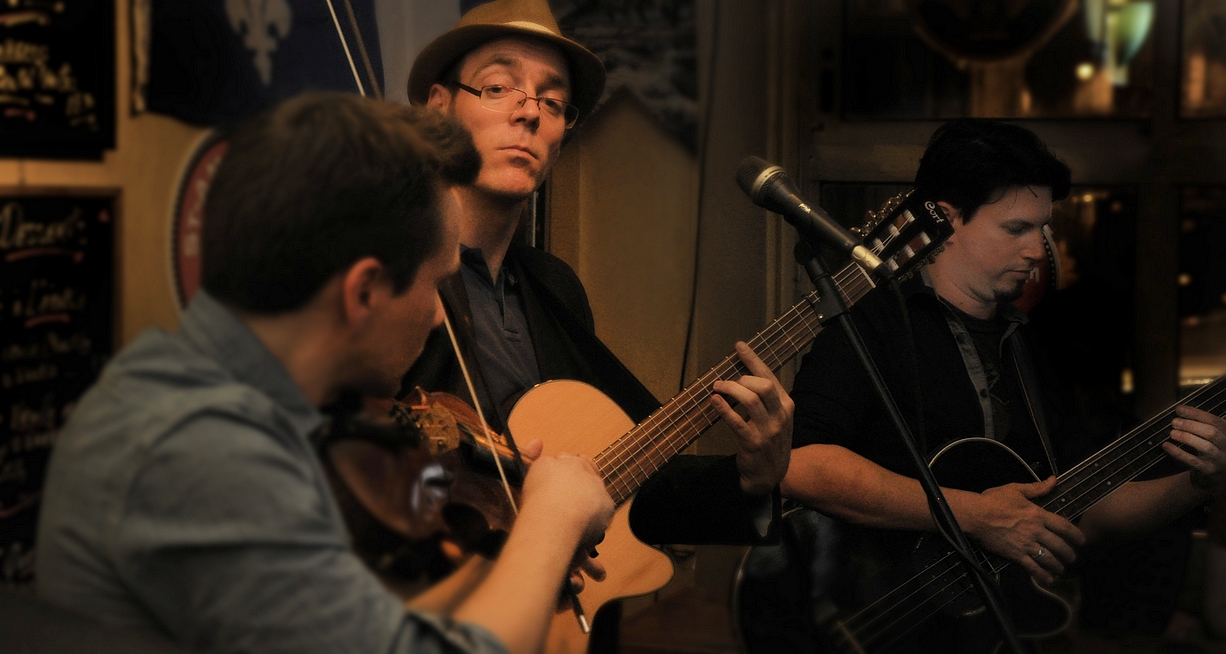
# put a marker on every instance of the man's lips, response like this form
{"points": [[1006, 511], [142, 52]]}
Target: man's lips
{"points": [[515, 149]]}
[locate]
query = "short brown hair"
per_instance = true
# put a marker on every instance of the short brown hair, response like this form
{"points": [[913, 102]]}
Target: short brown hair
{"points": [[319, 181]]}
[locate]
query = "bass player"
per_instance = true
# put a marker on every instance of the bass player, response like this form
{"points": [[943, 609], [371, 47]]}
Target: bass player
{"points": [[972, 375]]}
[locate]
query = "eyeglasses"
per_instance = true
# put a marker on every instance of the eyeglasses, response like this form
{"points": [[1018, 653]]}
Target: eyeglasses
{"points": [[505, 99]]}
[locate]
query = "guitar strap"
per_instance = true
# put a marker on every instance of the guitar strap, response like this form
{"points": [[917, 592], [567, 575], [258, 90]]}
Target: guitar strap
{"points": [[1024, 362]]}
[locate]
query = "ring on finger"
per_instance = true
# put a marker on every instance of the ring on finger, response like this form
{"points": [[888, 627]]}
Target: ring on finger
{"points": [[1040, 554]]}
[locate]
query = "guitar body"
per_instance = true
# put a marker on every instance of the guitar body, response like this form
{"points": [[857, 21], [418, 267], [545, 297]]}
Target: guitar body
{"points": [[823, 619], [570, 416], [977, 464]]}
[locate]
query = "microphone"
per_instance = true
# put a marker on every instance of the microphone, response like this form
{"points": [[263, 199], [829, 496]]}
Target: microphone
{"points": [[770, 188]]}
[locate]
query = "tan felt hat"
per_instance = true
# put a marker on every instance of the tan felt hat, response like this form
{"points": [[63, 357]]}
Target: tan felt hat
{"points": [[531, 18]]}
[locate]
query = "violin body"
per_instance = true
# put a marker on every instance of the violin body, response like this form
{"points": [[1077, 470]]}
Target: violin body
{"points": [[574, 417], [417, 490]]}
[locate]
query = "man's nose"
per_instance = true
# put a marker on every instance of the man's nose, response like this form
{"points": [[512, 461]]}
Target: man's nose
{"points": [[1034, 249], [529, 112]]}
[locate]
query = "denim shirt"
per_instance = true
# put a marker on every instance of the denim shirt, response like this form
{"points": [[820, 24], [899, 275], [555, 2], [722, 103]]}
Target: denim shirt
{"points": [[184, 497]]}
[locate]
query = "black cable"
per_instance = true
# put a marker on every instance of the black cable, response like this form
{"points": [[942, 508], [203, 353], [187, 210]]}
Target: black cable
{"points": [[968, 558], [702, 184]]}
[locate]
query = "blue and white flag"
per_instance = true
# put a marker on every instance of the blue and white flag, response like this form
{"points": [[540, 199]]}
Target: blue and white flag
{"points": [[217, 61]]}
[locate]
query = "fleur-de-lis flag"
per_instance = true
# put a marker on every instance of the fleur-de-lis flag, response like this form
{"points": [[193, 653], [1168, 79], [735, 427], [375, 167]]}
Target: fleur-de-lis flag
{"points": [[215, 62]]}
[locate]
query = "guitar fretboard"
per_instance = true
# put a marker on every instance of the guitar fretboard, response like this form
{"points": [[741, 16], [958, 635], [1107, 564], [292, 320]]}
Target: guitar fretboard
{"points": [[643, 450], [1123, 460]]}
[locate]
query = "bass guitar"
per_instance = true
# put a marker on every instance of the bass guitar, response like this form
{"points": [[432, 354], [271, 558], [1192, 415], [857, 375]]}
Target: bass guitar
{"points": [[574, 417], [935, 583]]}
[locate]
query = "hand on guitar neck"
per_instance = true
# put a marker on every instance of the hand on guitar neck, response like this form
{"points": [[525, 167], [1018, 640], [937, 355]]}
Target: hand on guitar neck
{"points": [[1203, 437], [764, 434], [1198, 441]]}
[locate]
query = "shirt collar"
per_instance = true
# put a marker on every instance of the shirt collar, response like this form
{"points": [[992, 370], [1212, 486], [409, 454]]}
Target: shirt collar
{"points": [[921, 284], [217, 333], [474, 258]]}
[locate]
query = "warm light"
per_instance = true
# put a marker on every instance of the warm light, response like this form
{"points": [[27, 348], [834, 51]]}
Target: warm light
{"points": [[1223, 298], [1191, 321], [1088, 197], [1126, 386], [1185, 279], [1085, 71]]}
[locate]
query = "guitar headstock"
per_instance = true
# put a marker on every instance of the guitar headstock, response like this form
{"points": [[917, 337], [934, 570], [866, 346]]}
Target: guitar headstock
{"points": [[906, 233]]}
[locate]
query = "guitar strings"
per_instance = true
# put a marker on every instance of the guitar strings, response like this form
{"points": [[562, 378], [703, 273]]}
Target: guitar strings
{"points": [[1158, 421], [679, 415], [689, 414], [1139, 435], [1155, 425], [625, 456], [699, 390], [632, 444], [1073, 479]]}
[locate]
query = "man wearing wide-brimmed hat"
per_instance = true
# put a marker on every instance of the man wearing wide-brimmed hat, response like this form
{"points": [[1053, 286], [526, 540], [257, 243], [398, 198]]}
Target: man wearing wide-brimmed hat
{"points": [[522, 315]]}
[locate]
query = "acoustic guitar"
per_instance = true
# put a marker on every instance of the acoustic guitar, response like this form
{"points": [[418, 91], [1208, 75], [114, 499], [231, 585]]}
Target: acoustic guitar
{"points": [[935, 583], [571, 416]]}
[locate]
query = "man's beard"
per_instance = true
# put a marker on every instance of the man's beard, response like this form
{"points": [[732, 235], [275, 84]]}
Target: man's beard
{"points": [[1011, 295]]}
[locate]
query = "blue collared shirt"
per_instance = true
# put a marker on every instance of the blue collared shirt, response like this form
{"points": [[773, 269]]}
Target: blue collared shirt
{"points": [[184, 497], [500, 323]]}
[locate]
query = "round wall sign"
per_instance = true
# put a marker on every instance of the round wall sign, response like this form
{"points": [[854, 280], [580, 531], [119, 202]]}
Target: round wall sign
{"points": [[188, 216]]}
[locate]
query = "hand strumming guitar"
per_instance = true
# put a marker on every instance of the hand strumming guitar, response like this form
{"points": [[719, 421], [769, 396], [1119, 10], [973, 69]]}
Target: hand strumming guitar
{"points": [[1005, 520]]}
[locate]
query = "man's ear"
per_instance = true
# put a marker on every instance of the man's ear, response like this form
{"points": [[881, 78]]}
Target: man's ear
{"points": [[358, 288], [955, 219], [439, 98]]}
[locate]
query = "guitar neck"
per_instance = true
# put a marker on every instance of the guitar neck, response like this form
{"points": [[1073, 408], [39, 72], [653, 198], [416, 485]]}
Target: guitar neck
{"points": [[1121, 461], [643, 450]]}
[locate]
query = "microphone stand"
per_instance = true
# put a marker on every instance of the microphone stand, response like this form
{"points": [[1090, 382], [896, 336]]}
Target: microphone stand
{"points": [[832, 308]]}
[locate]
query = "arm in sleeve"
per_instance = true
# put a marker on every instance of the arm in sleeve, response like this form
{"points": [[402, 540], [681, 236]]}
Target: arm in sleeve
{"points": [[231, 539], [698, 500]]}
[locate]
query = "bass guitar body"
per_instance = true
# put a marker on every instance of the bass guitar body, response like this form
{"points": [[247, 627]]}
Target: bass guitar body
{"points": [[868, 591], [570, 416]]}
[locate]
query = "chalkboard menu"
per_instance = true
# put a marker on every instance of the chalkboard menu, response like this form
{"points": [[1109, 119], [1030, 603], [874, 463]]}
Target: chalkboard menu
{"points": [[56, 332], [57, 78]]}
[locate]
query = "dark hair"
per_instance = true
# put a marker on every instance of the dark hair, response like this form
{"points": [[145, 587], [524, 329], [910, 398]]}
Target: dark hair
{"points": [[319, 181], [971, 161]]}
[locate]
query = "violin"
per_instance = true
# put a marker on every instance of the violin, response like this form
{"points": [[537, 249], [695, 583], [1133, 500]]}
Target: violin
{"points": [[418, 486]]}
